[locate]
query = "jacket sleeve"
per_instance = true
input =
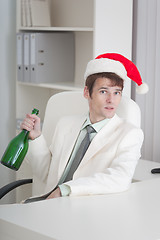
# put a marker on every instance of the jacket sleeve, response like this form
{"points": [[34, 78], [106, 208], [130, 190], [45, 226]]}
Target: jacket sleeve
{"points": [[118, 176], [39, 155]]}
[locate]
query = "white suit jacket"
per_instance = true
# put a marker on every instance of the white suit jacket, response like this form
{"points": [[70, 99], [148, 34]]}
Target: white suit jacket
{"points": [[107, 166]]}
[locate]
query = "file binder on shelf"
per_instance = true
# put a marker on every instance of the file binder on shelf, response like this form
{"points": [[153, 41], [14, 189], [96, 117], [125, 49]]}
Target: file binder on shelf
{"points": [[32, 12], [28, 13], [52, 57], [23, 13], [45, 57], [39, 9], [26, 57], [20, 57]]}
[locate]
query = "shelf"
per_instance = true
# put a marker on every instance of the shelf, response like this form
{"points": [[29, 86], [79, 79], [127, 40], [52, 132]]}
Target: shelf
{"points": [[69, 86], [51, 29]]}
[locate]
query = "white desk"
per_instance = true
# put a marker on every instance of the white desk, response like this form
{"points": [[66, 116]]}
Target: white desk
{"points": [[131, 215], [143, 170]]}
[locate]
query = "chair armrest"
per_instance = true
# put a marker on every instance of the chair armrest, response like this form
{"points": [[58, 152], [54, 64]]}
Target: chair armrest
{"points": [[9, 187]]}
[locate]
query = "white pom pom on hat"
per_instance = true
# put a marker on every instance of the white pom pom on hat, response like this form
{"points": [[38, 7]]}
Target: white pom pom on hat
{"points": [[116, 63]]}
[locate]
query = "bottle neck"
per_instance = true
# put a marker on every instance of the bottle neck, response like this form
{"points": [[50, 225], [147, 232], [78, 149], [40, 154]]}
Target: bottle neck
{"points": [[26, 133]]}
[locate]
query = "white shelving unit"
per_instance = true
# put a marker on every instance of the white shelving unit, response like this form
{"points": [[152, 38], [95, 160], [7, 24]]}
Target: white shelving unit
{"points": [[98, 25], [53, 29]]}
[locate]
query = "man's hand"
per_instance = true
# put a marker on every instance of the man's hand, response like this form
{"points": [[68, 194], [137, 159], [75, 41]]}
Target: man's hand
{"points": [[32, 124], [55, 194]]}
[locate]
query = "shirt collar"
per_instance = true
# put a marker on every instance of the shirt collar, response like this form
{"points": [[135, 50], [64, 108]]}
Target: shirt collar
{"points": [[97, 126]]}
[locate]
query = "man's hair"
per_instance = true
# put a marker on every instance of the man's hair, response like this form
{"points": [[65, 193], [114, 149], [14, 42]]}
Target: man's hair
{"points": [[115, 80]]}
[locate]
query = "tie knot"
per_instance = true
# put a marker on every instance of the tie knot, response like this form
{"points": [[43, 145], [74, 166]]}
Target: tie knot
{"points": [[90, 129]]}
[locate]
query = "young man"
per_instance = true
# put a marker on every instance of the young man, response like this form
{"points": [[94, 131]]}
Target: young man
{"points": [[109, 162]]}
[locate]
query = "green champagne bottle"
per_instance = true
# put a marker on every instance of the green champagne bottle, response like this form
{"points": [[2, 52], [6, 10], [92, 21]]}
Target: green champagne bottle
{"points": [[17, 149]]}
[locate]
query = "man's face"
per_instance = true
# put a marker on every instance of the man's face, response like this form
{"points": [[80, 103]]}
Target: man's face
{"points": [[104, 100]]}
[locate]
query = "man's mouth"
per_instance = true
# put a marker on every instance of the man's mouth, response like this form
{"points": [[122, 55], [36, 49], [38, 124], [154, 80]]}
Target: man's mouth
{"points": [[109, 108]]}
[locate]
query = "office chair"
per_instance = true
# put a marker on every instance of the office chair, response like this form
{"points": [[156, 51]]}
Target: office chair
{"points": [[70, 103]]}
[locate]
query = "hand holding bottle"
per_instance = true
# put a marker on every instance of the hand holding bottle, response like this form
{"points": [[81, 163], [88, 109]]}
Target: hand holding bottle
{"points": [[32, 124], [18, 146]]}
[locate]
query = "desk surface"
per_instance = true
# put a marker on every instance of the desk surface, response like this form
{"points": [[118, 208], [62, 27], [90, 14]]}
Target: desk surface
{"points": [[131, 215], [143, 170]]}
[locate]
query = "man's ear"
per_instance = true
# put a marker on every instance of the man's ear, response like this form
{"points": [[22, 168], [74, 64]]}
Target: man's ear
{"points": [[86, 92]]}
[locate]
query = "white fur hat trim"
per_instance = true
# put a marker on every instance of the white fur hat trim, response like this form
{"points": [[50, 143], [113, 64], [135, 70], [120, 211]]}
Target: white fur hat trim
{"points": [[105, 65]]}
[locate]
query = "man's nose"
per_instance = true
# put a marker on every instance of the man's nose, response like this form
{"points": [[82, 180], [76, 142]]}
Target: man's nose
{"points": [[109, 97]]}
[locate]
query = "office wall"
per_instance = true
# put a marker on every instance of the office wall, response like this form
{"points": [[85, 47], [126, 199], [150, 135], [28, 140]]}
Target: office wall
{"points": [[146, 55], [7, 86]]}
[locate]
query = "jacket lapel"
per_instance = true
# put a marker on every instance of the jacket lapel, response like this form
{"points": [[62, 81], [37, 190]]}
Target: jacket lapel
{"points": [[101, 139], [70, 137]]}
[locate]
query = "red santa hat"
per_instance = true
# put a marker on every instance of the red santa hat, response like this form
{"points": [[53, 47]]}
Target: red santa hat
{"points": [[117, 63]]}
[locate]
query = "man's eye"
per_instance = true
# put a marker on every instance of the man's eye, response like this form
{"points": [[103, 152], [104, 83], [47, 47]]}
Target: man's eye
{"points": [[117, 93], [102, 91]]}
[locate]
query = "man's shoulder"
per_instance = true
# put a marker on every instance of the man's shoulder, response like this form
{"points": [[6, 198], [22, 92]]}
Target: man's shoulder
{"points": [[126, 126]]}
